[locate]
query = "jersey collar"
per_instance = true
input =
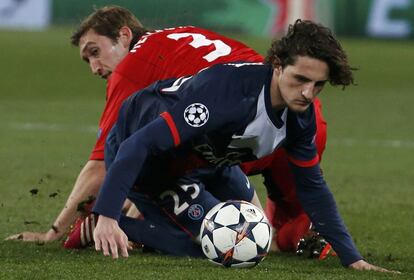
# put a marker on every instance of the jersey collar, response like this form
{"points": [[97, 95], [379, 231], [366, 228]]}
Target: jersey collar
{"points": [[274, 116]]}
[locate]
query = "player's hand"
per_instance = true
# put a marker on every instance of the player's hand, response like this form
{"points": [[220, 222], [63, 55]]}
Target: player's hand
{"points": [[363, 265], [109, 237], [41, 237]]}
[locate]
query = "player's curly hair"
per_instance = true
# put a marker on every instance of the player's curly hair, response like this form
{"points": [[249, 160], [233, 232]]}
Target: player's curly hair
{"points": [[107, 21], [306, 38]]}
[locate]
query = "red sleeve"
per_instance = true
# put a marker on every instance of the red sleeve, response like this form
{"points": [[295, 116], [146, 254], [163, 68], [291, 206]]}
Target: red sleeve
{"points": [[117, 92]]}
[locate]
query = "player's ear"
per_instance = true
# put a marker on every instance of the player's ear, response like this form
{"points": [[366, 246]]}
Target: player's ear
{"points": [[278, 69], [125, 36]]}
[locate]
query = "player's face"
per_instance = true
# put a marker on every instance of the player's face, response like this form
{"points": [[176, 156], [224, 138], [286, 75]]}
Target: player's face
{"points": [[101, 53], [299, 84]]}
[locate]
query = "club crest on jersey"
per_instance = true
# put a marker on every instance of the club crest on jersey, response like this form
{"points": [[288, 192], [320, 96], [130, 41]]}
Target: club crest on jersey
{"points": [[196, 115], [196, 212]]}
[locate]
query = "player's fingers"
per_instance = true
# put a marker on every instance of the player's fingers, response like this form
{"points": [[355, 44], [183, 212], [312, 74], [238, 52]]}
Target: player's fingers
{"points": [[380, 269], [97, 243], [18, 236], [104, 246], [26, 236], [124, 247], [130, 245], [114, 249]]}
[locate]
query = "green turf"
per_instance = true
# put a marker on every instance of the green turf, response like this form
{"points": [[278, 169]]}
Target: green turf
{"points": [[49, 109]]}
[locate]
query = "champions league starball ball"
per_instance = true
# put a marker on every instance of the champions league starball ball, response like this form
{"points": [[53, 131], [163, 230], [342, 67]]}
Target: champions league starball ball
{"points": [[235, 234]]}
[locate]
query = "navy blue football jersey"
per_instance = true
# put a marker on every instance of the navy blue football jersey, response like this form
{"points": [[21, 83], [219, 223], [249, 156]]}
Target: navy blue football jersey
{"points": [[233, 125], [221, 116]]}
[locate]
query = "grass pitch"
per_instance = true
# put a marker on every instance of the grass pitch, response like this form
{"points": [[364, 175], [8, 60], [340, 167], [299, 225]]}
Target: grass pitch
{"points": [[49, 110]]}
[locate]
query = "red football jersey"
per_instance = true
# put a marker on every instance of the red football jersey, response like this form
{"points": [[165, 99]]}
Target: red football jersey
{"points": [[168, 53]]}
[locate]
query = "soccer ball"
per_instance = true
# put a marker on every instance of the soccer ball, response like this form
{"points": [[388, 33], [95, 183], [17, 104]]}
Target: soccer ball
{"points": [[235, 234]]}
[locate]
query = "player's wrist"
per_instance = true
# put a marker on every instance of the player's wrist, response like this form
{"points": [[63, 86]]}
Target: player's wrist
{"points": [[54, 228], [54, 233], [107, 219]]}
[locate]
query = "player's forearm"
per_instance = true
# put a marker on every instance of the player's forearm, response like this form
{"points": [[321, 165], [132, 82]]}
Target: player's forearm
{"points": [[120, 178], [127, 166], [87, 184]]}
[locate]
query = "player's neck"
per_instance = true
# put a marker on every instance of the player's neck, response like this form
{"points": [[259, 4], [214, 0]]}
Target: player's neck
{"points": [[275, 95]]}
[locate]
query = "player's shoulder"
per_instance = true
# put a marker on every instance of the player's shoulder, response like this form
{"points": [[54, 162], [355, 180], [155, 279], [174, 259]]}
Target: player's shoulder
{"points": [[143, 106], [166, 34], [238, 71], [231, 83], [146, 97], [238, 67]]}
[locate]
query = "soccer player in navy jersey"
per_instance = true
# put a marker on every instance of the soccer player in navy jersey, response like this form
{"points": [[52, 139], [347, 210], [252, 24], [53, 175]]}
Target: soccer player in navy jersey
{"points": [[226, 115], [119, 49], [130, 57]]}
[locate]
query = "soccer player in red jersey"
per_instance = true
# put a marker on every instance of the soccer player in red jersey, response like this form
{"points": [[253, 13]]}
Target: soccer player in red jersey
{"points": [[130, 58]]}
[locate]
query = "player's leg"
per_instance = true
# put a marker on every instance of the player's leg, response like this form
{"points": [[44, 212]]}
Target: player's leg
{"points": [[192, 196], [229, 183], [293, 232], [283, 209], [186, 202], [157, 230], [163, 237]]}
